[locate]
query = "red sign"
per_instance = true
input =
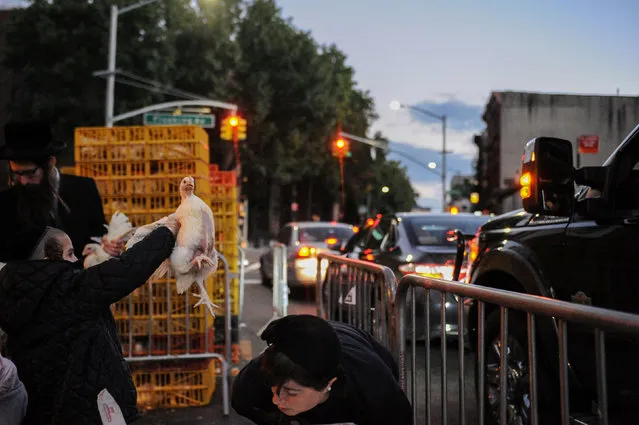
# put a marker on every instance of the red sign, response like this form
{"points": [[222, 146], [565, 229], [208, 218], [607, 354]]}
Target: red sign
{"points": [[588, 144]]}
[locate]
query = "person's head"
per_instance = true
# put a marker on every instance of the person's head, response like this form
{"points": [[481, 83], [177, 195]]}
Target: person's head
{"points": [[33, 171], [301, 363], [38, 243], [30, 149], [54, 245]]}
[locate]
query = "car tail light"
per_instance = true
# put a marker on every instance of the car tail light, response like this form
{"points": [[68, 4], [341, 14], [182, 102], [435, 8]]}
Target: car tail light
{"points": [[305, 252], [331, 241], [474, 248], [438, 271]]}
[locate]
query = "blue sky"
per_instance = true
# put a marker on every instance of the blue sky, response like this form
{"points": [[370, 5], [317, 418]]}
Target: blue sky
{"points": [[448, 56]]}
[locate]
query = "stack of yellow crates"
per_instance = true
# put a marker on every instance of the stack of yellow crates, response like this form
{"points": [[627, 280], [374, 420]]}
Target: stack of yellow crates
{"points": [[138, 171]]}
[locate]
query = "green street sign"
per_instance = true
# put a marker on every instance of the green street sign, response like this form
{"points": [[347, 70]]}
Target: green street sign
{"points": [[183, 119]]}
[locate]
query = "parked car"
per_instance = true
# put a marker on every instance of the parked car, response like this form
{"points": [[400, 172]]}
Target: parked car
{"points": [[303, 241], [417, 243]]}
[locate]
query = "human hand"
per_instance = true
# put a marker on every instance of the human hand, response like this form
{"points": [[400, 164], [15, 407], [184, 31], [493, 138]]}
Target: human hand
{"points": [[172, 224], [114, 247]]}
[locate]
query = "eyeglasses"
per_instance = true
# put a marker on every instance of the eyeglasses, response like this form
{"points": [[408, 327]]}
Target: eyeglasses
{"points": [[30, 173]]}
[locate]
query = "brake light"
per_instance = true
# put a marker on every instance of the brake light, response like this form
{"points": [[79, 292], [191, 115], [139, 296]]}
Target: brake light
{"points": [[437, 271], [331, 241], [370, 257], [474, 248], [305, 252]]}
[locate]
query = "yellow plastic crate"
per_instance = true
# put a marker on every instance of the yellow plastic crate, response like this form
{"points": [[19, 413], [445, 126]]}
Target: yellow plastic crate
{"points": [[166, 168], [174, 384], [148, 186], [141, 143]]}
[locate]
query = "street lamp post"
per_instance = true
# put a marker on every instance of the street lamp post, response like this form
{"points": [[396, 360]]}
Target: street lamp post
{"points": [[397, 105], [113, 41]]}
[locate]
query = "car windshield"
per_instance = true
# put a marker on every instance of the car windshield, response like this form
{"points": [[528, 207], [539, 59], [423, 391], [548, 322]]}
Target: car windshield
{"points": [[317, 234], [432, 230]]}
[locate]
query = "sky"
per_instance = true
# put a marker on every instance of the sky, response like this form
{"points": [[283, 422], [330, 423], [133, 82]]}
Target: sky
{"points": [[448, 56]]}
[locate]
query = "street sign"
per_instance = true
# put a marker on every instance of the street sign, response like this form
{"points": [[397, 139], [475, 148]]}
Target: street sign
{"points": [[202, 120], [588, 144]]}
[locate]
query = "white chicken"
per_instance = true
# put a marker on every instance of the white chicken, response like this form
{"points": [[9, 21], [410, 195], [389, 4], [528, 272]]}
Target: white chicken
{"points": [[194, 257], [118, 227]]}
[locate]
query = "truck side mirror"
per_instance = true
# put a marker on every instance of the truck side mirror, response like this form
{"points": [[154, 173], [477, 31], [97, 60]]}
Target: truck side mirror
{"points": [[548, 177]]}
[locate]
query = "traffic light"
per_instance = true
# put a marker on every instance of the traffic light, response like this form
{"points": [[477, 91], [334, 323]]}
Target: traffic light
{"points": [[233, 126], [226, 131], [241, 129], [341, 148]]}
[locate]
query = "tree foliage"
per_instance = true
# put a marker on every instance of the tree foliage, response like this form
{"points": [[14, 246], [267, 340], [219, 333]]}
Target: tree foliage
{"points": [[293, 91]]}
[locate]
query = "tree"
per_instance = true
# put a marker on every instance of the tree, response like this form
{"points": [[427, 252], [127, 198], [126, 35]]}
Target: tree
{"points": [[54, 47]]}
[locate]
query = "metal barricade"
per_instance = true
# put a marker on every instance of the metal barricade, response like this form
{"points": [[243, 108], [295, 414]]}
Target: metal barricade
{"points": [[206, 351], [241, 283], [601, 320], [356, 292], [280, 284]]}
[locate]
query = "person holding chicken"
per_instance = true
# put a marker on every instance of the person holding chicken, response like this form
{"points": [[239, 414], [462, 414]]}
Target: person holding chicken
{"points": [[61, 334], [39, 195]]}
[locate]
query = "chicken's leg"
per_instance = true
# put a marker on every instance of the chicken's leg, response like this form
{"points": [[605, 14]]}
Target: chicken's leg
{"points": [[203, 259], [204, 298]]}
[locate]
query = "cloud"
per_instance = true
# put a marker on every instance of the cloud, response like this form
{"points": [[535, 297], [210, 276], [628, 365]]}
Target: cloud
{"points": [[460, 116], [432, 190], [401, 128], [429, 194], [410, 127]]}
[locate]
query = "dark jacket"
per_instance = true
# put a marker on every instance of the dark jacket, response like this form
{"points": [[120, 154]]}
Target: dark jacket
{"points": [[84, 219], [367, 393], [62, 335]]}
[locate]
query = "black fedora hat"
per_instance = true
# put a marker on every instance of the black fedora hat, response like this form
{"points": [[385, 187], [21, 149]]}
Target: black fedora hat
{"points": [[29, 140]]}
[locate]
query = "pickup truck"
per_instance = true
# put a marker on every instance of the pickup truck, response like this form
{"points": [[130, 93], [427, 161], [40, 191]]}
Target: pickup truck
{"points": [[577, 240]]}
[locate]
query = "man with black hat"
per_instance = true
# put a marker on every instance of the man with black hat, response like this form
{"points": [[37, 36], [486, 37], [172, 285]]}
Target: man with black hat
{"points": [[319, 372], [39, 195]]}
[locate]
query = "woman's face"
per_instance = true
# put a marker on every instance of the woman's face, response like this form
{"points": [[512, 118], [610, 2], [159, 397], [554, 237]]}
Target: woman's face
{"points": [[294, 398], [68, 254]]}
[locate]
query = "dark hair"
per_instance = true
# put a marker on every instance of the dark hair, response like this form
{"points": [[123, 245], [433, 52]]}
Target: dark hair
{"points": [[279, 368], [49, 245], [53, 248]]}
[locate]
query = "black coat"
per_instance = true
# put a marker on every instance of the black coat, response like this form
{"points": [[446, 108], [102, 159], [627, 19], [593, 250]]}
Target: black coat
{"points": [[367, 393], [84, 220], [62, 335]]}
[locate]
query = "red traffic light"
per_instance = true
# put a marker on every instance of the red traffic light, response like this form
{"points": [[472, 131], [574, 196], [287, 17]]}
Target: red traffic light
{"points": [[340, 143]]}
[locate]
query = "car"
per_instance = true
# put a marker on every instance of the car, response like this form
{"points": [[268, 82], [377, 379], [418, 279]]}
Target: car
{"points": [[303, 241], [417, 243]]}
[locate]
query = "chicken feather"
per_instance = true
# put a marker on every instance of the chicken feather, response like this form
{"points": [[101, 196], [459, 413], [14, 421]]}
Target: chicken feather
{"points": [[118, 228]]}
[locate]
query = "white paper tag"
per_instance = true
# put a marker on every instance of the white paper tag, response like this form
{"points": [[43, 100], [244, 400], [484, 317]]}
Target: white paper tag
{"points": [[351, 297], [110, 412]]}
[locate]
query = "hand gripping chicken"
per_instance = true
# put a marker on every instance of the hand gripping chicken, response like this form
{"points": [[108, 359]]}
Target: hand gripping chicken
{"points": [[119, 228], [194, 257]]}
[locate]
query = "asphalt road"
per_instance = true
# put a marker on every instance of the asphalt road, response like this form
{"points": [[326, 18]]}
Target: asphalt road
{"points": [[257, 312]]}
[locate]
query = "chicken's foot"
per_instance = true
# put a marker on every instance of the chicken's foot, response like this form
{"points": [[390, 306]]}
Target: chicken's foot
{"points": [[204, 298]]}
